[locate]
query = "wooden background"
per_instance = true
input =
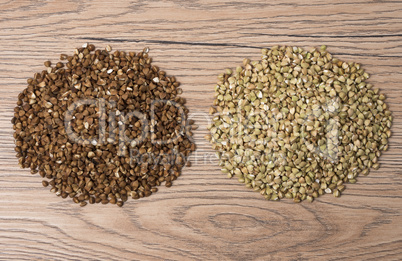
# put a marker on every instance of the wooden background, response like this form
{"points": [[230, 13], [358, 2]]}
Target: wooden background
{"points": [[204, 215]]}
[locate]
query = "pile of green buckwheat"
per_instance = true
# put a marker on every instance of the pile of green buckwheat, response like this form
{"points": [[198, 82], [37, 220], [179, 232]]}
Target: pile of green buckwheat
{"points": [[298, 124]]}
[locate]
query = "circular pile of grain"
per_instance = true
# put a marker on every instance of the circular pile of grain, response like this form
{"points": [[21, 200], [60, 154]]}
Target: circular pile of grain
{"points": [[103, 126], [298, 124]]}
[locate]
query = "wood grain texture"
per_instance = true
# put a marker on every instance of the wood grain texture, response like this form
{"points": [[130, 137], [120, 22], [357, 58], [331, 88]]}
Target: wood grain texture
{"points": [[204, 215]]}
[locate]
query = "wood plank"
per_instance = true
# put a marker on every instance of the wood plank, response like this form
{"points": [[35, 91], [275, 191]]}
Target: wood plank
{"points": [[204, 215]]}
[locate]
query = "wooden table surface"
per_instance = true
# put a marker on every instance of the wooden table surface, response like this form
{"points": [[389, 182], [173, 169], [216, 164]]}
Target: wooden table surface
{"points": [[204, 215]]}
